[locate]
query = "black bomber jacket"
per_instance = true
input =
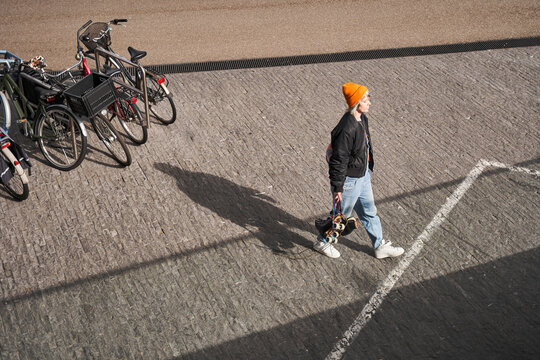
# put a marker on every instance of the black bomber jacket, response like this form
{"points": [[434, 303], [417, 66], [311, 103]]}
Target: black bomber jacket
{"points": [[349, 150]]}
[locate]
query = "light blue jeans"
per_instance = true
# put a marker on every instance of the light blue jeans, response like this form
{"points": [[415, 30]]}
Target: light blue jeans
{"points": [[357, 195]]}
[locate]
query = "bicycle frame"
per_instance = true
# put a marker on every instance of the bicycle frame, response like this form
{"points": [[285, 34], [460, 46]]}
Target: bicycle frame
{"points": [[82, 64], [99, 51], [28, 112], [98, 43], [138, 77], [25, 109], [60, 134], [86, 71]]}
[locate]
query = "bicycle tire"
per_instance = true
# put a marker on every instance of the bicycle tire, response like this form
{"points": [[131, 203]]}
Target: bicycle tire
{"points": [[111, 139], [5, 112], [17, 186], [161, 104], [127, 112], [130, 118], [61, 137]]}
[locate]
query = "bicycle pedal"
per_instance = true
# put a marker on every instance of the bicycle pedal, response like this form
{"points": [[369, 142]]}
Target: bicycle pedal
{"points": [[21, 121]]}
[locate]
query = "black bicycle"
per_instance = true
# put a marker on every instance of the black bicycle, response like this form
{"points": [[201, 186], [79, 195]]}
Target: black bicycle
{"points": [[160, 102], [60, 134], [89, 97], [124, 109]]}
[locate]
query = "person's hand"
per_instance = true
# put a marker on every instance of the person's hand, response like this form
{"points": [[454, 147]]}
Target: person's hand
{"points": [[337, 197]]}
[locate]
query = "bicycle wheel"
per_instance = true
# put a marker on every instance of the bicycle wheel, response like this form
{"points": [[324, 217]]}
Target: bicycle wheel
{"points": [[5, 112], [161, 104], [61, 137], [17, 186], [112, 140], [131, 120]]}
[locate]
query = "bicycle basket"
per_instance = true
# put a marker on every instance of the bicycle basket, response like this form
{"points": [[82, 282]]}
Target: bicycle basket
{"points": [[9, 61], [91, 95], [97, 34]]}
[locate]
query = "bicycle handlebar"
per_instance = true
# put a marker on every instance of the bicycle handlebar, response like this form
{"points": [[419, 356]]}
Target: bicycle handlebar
{"points": [[85, 25], [99, 35], [79, 48], [116, 21]]}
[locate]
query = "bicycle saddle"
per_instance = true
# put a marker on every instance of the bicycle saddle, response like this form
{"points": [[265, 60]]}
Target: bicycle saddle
{"points": [[136, 54]]}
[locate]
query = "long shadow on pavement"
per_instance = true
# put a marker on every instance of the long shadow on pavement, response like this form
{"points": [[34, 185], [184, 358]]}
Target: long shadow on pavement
{"points": [[305, 224], [488, 311], [243, 206]]}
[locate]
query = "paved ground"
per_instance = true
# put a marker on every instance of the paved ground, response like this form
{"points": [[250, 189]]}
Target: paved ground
{"points": [[206, 30], [200, 249]]}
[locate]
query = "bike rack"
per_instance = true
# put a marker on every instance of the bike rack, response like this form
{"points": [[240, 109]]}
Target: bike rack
{"points": [[101, 51]]}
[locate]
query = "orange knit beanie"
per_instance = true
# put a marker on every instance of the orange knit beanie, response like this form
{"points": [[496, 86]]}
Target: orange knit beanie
{"points": [[353, 93]]}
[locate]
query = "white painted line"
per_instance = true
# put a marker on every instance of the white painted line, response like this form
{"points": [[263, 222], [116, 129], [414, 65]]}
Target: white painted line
{"points": [[376, 300], [514, 168]]}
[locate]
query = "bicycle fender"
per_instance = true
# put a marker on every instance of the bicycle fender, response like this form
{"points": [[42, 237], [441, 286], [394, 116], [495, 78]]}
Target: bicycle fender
{"points": [[18, 168], [7, 109], [165, 89], [65, 108]]}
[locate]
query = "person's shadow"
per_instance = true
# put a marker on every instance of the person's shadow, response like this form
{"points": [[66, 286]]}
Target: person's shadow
{"points": [[243, 206]]}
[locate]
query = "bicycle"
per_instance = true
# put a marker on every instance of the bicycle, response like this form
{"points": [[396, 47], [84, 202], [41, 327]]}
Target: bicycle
{"points": [[12, 174], [101, 125], [160, 102], [60, 134], [124, 109]]}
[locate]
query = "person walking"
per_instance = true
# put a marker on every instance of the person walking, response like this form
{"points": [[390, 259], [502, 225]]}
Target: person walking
{"points": [[350, 162]]}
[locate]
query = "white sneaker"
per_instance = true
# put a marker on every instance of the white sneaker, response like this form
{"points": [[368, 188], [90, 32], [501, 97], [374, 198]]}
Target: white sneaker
{"points": [[325, 248], [387, 250]]}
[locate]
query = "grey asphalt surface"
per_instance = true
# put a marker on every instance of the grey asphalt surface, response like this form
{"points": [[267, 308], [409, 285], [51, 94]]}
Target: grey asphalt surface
{"points": [[201, 248]]}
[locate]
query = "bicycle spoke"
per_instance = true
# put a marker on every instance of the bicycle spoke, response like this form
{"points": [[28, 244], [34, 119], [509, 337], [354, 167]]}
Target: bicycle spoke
{"points": [[61, 139], [58, 136], [108, 135], [160, 104], [131, 120]]}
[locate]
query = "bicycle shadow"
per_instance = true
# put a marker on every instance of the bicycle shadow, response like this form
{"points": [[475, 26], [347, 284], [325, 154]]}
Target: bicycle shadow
{"points": [[5, 195], [243, 206], [93, 153]]}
